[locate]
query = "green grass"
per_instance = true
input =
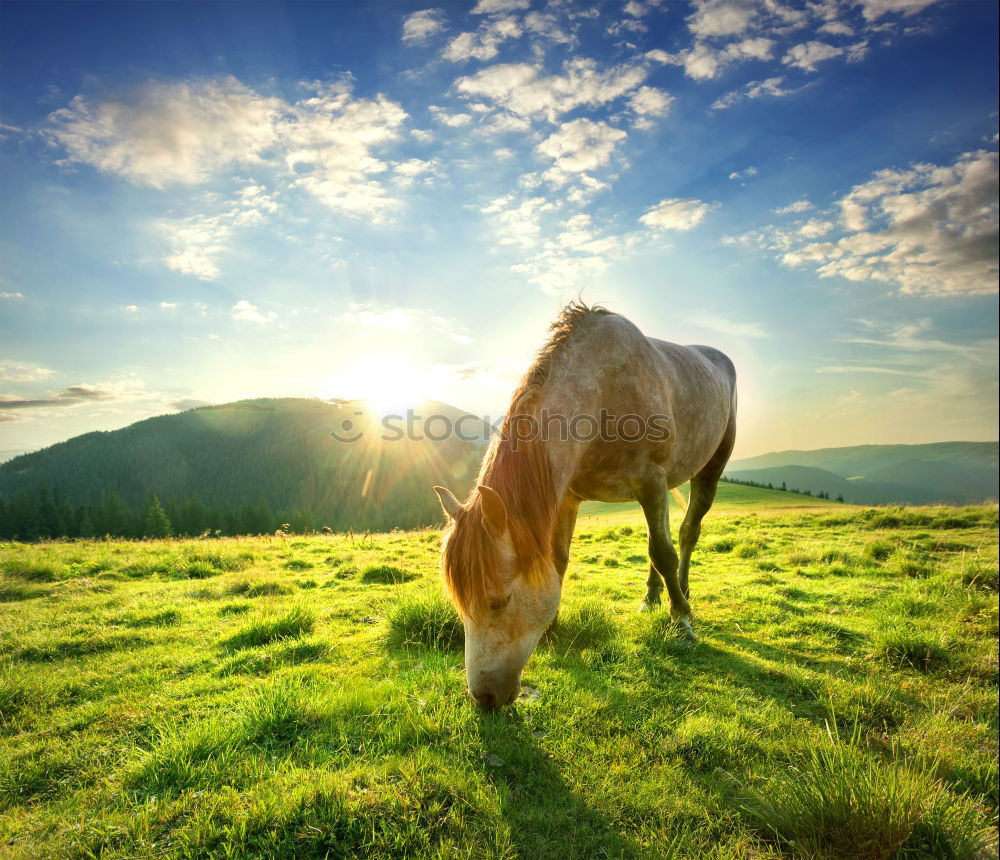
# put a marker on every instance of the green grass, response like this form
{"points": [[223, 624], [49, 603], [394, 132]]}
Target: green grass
{"points": [[304, 697], [729, 498]]}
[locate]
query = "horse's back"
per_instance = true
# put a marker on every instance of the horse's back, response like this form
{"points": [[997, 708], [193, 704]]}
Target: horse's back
{"points": [[702, 395], [629, 373]]}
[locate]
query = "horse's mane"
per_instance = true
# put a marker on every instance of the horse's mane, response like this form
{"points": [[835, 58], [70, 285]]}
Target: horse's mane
{"points": [[520, 471]]}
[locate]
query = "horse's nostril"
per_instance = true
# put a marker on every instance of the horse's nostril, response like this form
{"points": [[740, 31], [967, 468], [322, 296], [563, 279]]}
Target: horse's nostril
{"points": [[486, 701]]}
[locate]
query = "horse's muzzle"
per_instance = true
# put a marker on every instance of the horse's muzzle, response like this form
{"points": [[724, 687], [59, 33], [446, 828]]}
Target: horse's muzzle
{"points": [[492, 697]]}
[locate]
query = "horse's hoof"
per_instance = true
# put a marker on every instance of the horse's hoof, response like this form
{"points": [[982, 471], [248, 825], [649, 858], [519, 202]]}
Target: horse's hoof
{"points": [[687, 632], [649, 605]]}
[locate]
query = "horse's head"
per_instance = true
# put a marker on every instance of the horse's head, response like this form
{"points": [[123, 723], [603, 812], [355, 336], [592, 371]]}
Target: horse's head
{"points": [[507, 592]]}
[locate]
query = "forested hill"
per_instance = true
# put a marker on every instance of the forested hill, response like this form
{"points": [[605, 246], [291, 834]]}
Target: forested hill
{"points": [[276, 456]]}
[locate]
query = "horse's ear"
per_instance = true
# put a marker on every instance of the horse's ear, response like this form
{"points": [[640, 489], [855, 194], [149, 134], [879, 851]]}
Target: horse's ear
{"points": [[494, 510], [449, 504]]}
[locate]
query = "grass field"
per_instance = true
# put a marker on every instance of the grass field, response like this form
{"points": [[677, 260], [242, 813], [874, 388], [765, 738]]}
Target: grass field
{"points": [[303, 697], [730, 498]]}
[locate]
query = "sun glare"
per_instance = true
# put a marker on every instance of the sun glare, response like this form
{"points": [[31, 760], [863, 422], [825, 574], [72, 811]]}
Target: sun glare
{"points": [[390, 384]]}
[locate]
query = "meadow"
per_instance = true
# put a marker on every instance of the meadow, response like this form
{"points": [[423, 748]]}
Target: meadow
{"points": [[290, 696]]}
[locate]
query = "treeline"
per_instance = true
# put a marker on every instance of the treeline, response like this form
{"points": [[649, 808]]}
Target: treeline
{"points": [[251, 466], [46, 515], [822, 494]]}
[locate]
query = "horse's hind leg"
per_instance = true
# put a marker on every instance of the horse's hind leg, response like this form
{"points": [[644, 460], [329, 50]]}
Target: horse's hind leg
{"points": [[664, 558], [701, 498], [703, 487]]}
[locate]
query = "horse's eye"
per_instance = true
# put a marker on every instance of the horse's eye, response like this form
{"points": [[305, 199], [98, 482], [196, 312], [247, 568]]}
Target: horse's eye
{"points": [[497, 605]]}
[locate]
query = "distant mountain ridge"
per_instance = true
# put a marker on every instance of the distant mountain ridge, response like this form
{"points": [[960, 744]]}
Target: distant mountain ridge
{"points": [[939, 472], [281, 453], [291, 457]]}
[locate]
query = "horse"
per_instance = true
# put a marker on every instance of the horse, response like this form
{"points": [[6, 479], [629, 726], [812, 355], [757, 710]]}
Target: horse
{"points": [[604, 413]]}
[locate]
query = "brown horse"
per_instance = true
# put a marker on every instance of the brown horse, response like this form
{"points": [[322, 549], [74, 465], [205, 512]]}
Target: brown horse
{"points": [[604, 413]]}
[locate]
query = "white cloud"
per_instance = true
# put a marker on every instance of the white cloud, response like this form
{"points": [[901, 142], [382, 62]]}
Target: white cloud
{"points": [[523, 89], [581, 145], [722, 17], [861, 368], [771, 87], [168, 306], [675, 214], [420, 27], [11, 296], [578, 234], [711, 322], [547, 27], [412, 169], [794, 208], [247, 312], [132, 309], [519, 222], [915, 337], [837, 28], [562, 274], [493, 7], [484, 44], [636, 9], [808, 54], [19, 371], [404, 320], [452, 120], [746, 173], [815, 227], [195, 244], [703, 62], [928, 229], [875, 9], [167, 133], [335, 137], [649, 101]]}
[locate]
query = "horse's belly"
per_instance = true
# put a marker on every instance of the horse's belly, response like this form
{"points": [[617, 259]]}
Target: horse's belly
{"points": [[602, 488]]}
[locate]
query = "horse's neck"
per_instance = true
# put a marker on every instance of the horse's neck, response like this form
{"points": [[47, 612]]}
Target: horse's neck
{"points": [[565, 454]]}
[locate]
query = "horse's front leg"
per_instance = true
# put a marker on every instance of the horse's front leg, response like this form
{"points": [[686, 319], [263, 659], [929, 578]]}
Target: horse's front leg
{"points": [[664, 559], [654, 588]]}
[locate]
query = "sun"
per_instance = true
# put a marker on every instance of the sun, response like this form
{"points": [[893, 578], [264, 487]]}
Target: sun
{"points": [[389, 384]]}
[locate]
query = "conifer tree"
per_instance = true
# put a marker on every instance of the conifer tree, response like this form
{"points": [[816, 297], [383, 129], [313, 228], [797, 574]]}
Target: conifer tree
{"points": [[155, 523]]}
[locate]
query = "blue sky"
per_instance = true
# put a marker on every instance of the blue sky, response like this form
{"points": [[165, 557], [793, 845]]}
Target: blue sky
{"points": [[209, 202]]}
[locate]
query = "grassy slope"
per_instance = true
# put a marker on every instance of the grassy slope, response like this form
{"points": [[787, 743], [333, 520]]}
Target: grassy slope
{"points": [[730, 498], [303, 697]]}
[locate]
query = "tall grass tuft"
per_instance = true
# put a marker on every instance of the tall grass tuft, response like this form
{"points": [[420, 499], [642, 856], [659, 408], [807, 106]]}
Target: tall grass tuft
{"points": [[839, 803], [224, 561], [981, 576], [587, 624], [878, 550], [385, 574], [181, 754], [270, 628], [424, 620], [908, 646], [30, 571], [23, 696], [748, 549], [278, 713]]}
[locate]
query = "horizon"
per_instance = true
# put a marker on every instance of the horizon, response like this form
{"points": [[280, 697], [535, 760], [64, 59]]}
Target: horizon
{"points": [[493, 422], [232, 201]]}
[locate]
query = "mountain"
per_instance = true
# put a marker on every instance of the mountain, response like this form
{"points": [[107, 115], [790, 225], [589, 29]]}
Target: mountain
{"points": [[942, 472], [278, 453]]}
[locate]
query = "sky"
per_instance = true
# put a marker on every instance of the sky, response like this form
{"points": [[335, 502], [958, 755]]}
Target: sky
{"points": [[209, 202]]}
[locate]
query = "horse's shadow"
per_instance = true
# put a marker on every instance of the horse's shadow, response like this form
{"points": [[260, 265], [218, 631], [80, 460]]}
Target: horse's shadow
{"points": [[545, 816]]}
